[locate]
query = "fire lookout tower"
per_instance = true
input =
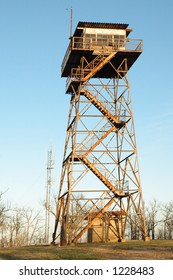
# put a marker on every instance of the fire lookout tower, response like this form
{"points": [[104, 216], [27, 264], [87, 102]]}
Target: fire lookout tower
{"points": [[100, 177]]}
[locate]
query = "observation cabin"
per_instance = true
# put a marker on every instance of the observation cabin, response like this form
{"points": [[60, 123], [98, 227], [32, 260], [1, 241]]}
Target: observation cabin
{"points": [[92, 39]]}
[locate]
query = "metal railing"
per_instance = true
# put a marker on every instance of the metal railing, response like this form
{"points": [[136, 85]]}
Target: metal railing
{"points": [[82, 43]]}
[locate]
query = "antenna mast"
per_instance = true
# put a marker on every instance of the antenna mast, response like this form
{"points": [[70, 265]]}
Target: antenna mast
{"points": [[71, 21], [50, 164]]}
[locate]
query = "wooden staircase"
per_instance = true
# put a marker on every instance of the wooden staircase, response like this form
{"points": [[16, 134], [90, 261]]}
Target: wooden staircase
{"points": [[99, 63], [112, 119], [98, 174], [81, 75], [95, 62], [105, 134]]}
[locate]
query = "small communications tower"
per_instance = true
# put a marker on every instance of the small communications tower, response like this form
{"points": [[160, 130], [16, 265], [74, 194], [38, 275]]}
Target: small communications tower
{"points": [[50, 166], [100, 191]]}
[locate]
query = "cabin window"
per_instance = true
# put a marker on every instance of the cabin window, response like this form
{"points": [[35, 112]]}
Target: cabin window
{"points": [[90, 39], [119, 40], [104, 40]]}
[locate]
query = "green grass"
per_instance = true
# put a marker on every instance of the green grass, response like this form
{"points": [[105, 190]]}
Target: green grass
{"points": [[141, 244], [156, 249], [47, 253]]}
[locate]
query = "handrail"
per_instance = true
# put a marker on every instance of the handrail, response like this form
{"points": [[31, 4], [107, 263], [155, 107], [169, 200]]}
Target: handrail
{"points": [[81, 43]]}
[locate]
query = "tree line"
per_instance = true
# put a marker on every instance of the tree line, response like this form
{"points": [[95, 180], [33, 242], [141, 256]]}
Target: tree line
{"points": [[23, 226], [19, 226], [159, 221]]}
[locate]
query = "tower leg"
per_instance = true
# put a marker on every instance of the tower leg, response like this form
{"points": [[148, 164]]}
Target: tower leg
{"points": [[63, 235], [147, 238]]}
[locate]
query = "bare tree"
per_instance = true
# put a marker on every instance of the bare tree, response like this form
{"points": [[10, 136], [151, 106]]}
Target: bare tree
{"points": [[15, 227], [167, 211], [3, 220], [32, 225], [2, 208], [24, 227], [152, 217]]}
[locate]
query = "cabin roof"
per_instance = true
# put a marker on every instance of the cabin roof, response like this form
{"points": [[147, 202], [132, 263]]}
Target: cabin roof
{"points": [[83, 24]]}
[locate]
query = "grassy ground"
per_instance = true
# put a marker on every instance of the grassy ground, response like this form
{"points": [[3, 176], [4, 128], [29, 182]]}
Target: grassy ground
{"points": [[130, 250]]}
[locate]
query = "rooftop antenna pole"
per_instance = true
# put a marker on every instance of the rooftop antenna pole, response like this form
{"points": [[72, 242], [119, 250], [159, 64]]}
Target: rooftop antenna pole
{"points": [[71, 21]]}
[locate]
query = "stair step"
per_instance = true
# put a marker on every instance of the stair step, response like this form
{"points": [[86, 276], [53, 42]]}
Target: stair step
{"points": [[97, 173], [103, 110]]}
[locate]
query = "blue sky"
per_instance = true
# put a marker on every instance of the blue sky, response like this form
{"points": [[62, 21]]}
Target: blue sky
{"points": [[34, 107]]}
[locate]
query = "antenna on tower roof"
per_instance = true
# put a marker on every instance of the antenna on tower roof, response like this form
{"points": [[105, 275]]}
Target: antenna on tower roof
{"points": [[71, 21]]}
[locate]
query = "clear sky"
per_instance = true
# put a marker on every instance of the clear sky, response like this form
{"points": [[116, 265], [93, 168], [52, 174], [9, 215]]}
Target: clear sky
{"points": [[34, 107]]}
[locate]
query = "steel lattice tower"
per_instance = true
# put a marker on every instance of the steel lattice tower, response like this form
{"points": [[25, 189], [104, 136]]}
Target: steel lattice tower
{"points": [[50, 167], [100, 175]]}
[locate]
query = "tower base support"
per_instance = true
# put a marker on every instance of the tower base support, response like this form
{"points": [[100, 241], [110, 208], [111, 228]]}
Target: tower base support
{"points": [[147, 238], [122, 240]]}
